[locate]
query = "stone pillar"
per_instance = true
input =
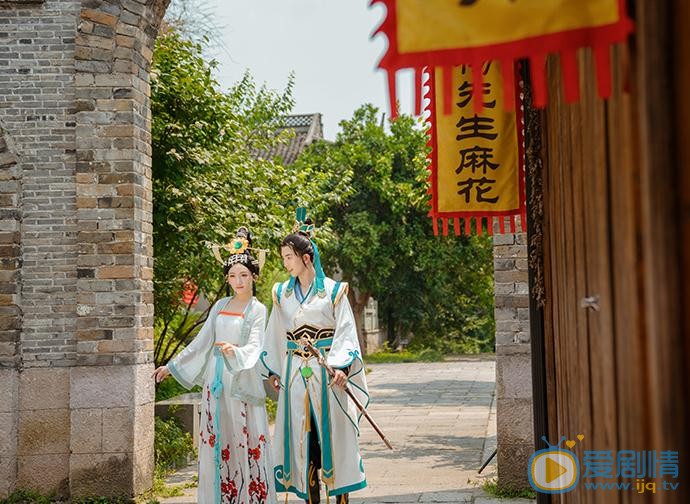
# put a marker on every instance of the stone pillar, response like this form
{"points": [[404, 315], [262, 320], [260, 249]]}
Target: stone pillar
{"points": [[513, 360], [114, 45], [76, 305], [10, 313], [35, 101]]}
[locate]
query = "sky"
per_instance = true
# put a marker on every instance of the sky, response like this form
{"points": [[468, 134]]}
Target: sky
{"points": [[326, 43]]}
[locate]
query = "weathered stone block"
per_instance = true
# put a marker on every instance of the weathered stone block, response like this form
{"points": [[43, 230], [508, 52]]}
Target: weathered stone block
{"points": [[512, 301], [43, 431], [503, 239], [86, 430], [514, 377], [44, 389], [143, 468], [99, 17], [8, 473], [143, 426], [514, 421], [118, 430], [88, 384], [101, 474], [505, 313], [510, 276], [512, 465], [8, 433], [44, 473]]}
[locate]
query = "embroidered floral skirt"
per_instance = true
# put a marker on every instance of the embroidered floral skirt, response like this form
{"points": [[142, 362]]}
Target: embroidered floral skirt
{"points": [[235, 465]]}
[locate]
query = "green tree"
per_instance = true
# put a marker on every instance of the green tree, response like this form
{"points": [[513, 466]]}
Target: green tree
{"points": [[439, 289], [208, 179]]}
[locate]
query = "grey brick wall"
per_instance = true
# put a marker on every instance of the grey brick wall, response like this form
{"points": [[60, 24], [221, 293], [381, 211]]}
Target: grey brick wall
{"points": [[10, 253], [513, 360], [36, 108], [10, 311], [76, 245]]}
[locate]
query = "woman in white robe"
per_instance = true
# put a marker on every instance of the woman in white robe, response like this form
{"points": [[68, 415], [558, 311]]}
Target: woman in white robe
{"points": [[312, 306], [235, 460]]}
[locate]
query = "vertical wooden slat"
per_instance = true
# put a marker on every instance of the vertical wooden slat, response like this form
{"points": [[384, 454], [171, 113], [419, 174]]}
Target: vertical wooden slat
{"points": [[659, 198], [600, 333], [681, 42], [576, 275], [551, 297], [632, 387], [558, 153]]}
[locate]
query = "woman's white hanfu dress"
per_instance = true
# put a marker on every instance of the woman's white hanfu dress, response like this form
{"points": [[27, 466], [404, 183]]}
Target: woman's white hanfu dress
{"points": [[328, 321], [235, 460]]}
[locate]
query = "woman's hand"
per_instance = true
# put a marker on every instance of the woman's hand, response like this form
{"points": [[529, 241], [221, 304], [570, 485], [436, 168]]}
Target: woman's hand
{"points": [[339, 379], [161, 373], [275, 382], [226, 348]]}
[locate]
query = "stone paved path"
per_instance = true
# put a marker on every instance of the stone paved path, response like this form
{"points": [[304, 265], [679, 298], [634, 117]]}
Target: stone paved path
{"points": [[440, 418]]}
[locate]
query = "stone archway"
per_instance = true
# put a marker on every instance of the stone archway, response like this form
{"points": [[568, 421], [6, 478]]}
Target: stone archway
{"points": [[76, 299], [76, 228]]}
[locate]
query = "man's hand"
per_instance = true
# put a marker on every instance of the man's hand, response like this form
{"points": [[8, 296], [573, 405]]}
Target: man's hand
{"points": [[275, 382], [339, 379], [161, 373], [226, 348]]}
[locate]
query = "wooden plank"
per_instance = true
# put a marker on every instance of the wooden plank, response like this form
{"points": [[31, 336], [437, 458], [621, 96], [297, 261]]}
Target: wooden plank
{"points": [[599, 332], [659, 229], [632, 390], [551, 296], [558, 157], [577, 281], [681, 40]]}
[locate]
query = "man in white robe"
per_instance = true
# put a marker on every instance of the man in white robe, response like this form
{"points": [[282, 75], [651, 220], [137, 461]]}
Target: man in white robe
{"points": [[317, 425]]}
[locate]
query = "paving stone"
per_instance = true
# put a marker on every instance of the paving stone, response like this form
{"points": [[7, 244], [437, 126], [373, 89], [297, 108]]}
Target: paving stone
{"points": [[438, 448]]}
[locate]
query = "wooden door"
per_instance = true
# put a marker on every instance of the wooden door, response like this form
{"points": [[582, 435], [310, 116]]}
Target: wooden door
{"points": [[614, 183]]}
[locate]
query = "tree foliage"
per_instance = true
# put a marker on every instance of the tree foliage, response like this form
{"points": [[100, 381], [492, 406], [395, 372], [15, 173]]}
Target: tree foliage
{"points": [[439, 289], [208, 179]]}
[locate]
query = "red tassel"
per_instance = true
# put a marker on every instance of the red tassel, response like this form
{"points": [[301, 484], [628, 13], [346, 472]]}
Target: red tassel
{"points": [[456, 224], [447, 90], [418, 74], [512, 224], [479, 224], [490, 226], [392, 94], [523, 221], [571, 79], [602, 57], [538, 70], [468, 229], [477, 87], [508, 72], [502, 224], [434, 224], [445, 226]]}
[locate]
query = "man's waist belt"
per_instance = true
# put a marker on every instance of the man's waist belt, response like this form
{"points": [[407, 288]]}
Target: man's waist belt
{"points": [[321, 338], [311, 333]]}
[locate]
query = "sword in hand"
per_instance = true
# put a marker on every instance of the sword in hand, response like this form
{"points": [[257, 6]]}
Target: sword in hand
{"points": [[331, 372]]}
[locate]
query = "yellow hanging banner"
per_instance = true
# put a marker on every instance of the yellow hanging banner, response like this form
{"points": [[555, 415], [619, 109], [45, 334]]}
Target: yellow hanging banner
{"points": [[476, 159], [447, 33]]}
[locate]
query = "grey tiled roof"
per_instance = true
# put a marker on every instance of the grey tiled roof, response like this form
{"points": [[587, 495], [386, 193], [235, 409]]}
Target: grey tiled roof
{"points": [[306, 128]]}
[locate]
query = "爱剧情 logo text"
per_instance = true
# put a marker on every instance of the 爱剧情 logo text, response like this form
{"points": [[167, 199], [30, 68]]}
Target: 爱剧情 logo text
{"points": [[557, 469]]}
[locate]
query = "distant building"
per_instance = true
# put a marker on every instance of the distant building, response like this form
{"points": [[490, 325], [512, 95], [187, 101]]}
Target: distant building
{"points": [[306, 128]]}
